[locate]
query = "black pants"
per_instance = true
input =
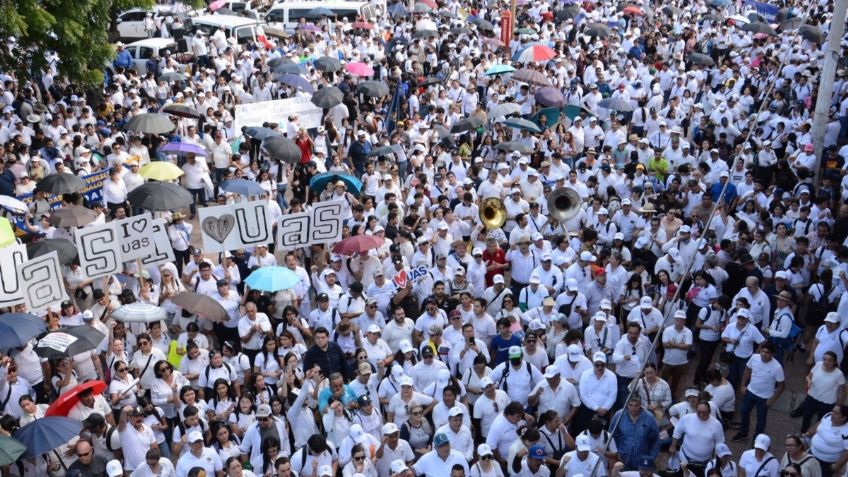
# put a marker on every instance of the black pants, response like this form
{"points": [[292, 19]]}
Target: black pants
{"points": [[516, 287], [251, 354], [706, 351], [581, 419], [825, 468], [813, 407], [181, 258]]}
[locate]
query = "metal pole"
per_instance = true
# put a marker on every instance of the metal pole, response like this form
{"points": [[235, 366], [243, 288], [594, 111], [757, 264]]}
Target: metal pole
{"points": [[825, 91]]}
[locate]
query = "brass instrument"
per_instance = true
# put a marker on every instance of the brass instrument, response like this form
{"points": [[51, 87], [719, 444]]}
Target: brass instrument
{"points": [[563, 204], [492, 213]]}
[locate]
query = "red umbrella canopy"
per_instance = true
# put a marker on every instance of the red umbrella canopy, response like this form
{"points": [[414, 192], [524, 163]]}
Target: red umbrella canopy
{"points": [[358, 244], [63, 405]]}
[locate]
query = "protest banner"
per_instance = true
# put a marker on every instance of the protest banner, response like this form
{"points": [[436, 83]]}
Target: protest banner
{"points": [[278, 111], [319, 226], [41, 281], [234, 226]]}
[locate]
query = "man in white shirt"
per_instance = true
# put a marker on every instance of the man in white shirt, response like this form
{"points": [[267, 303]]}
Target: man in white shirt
{"points": [[582, 461], [199, 456], [598, 392], [252, 328], [516, 376], [136, 437], [762, 383], [703, 433], [439, 461], [556, 394], [677, 341], [503, 431]]}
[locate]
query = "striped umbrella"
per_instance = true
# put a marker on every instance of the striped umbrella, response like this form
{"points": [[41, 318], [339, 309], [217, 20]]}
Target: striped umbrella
{"points": [[535, 54]]}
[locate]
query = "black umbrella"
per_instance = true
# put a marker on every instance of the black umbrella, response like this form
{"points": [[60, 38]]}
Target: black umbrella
{"points": [[68, 342], [381, 151], [63, 247], [713, 17], [791, 23], [280, 60], [811, 33], [431, 80], [327, 64], [159, 196], [295, 81], [466, 124], [756, 17], [287, 68], [150, 123], [460, 31], [181, 110], [60, 184], [671, 11], [326, 98], [700, 59], [759, 27], [425, 34], [616, 104], [373, 89], [172, 77], [515, 146], [482, 23], [570, 12], [598, 29], [447, 14], [282, 149], [72, 216], [259, 133], [421, 8]]}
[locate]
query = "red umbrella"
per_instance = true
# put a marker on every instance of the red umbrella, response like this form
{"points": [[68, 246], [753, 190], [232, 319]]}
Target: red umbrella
{"points": [[358, 244], [493, 41], [429, 3], [633, 10], [363, 26], [535, 53], [359, 69], [62, 406]]}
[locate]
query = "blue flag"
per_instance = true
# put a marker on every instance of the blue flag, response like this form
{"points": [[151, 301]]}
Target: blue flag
{"points": [[394, 107]]}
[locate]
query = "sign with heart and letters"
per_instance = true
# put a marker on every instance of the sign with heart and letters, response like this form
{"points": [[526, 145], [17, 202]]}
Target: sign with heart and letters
{"points": [[136, 237], [320, 225], [140, 237], [234, 226]]}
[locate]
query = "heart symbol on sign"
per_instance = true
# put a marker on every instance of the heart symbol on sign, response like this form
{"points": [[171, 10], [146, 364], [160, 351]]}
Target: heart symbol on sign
{"points": [[400, 279], [139, 225], [218, 227]]}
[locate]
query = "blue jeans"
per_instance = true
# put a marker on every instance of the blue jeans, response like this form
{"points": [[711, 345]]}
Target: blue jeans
{"points": [[749, 401], [281, 196], [197, 196]]}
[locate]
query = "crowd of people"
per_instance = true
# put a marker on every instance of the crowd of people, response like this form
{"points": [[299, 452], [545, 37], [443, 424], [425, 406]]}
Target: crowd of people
{"points": [[635, 330]]}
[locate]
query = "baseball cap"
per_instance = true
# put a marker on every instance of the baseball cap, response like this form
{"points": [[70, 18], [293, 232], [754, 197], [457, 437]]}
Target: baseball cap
{"points": [[537, 451], [646, 464], [831, 317], [605, 304], [455, 411], [390, 428], [587, 256], [551, 372], [440, 440], [263, 410], [114, 468], [583, 443], [94, 419], [195, 436], [722, 450], [646, 302], [498, 279], [364, 368], [406, 381], [574, 352], [600, 316], [356, 433], [762, 442], [365, 399], [398, 465], [680, 314], [571, 284], [514, 352], [691, 392], [599, 357], [325, 470], [484, 449]]}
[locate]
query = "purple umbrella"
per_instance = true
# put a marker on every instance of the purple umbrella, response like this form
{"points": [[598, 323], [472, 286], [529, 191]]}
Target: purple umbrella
{"points": [[550, 97], [182, 148], [311, 27]]}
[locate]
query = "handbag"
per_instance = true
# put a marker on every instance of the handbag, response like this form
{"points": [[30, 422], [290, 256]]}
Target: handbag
{"points": [[726, 356], [80, 294]]}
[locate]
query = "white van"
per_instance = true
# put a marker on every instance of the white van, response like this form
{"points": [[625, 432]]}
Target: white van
{"points": [[287, 15], [241, 28]]}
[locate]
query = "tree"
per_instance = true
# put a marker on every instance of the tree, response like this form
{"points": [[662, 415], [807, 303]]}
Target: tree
{"points": [[77, 30]]}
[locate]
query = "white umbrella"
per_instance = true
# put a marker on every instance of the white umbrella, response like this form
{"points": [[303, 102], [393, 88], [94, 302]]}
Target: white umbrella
{"points": [[504, 109], [13, 205], [740, 19], [426, 25], [139, 312]]}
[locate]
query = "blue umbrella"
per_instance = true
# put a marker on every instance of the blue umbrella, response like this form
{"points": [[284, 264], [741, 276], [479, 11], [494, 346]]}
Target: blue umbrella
{"points": [[18, 328], [398, 10], [272, 279], [499, 70], [551, 117], [296, 81], [320, 181], [259, 133], [43, 435], [521, 123], [320, 12], [182, 148], [242, 187]]}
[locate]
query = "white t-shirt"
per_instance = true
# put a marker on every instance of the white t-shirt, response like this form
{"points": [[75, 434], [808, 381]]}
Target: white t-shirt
{"points": [[749, 462], [674, 356], [135, 445], [764, 376], [701, 437], [575, 466], [828, 442], [824, 385]]}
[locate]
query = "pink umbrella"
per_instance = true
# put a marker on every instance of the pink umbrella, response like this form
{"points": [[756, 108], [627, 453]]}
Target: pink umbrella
{"points": [[534, 53], [357, 244], [217, 4], [363, 26], [429, 3], [359, 69]]}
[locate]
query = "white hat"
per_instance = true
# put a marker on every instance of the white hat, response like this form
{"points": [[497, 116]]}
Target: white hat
{"points": [[534, 279], [831, 317], [685, 229], [406, 346], [390, 428], [781, 275], [674, 253], [114, 468], [374, 328], [603, 211], [551, 372], [587, 256], [325, 470], [646, 302], [626, 202], [571, 284], [484, 449], [195, 436], [498, 279], [406, 381], [455, 411], [691, 392], [724, 174], [486, 381], [398, 466], [722, 450], [680, 314], [605, 304], [618, 236], [477, 251], [599, 357], [574, 352], [356, 433], [762, 442], [743, 313], [583, 443]]}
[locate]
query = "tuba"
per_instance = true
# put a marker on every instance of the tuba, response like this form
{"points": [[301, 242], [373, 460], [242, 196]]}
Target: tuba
{"points": [[492, 213], [563, 204]]}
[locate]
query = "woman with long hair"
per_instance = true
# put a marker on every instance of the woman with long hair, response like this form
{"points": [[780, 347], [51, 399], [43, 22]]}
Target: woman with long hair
{"points": [[224, 442], [222, 403], [267, 362]]}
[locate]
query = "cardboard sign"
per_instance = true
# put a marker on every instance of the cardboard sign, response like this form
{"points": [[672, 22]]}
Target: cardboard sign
{"points": [[99, 254], [278, 111], [11, 259], [59, 341], [163, 253], [234, 226], [41, 282], [136, 237], [319, 226], [405, 276]]}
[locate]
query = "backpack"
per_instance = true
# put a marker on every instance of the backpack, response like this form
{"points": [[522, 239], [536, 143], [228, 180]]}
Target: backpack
{"points": [[109, 433], [209, 366], [502, 384], [182, 427]]}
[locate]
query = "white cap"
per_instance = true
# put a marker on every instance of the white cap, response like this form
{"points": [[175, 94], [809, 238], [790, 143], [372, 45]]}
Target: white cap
{"points": [[685, 229], [600, 316], [398, 466], [374, 328], [356, 433], [587, 256], [603, 211], [477, 251], [484, 449], [406, 346], [534, 279], [724, 174], [626, 202], [599, 357], [781, 274], [325, 470], [646, 302], [762, 442], [571, 284], [831, 317], [722, 450], [390, 428], [618, 236], [551, 372], [574, 352], [605, 304], [583, 443], [498, 279], [674, 253], [195, 436], [486, 381], [406, 381], [691, 392], [456, 411], [743, 313], [114, 468]]}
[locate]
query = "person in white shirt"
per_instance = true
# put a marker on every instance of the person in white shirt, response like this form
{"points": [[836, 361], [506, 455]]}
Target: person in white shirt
{"points": [[440, 461], [702, 433], [253, 327], [199, 456], [556, 394], [598, 390], [762, 383], [504, 430], [759, 462], [517, 377], [677, 341], [581, 461], [136, 437]]}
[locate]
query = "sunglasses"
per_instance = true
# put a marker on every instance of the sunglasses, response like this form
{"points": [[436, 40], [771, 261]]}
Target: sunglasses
{"points": [[359, 457], [122, 370], [164, 369], [143, 343], [789, 474]]}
